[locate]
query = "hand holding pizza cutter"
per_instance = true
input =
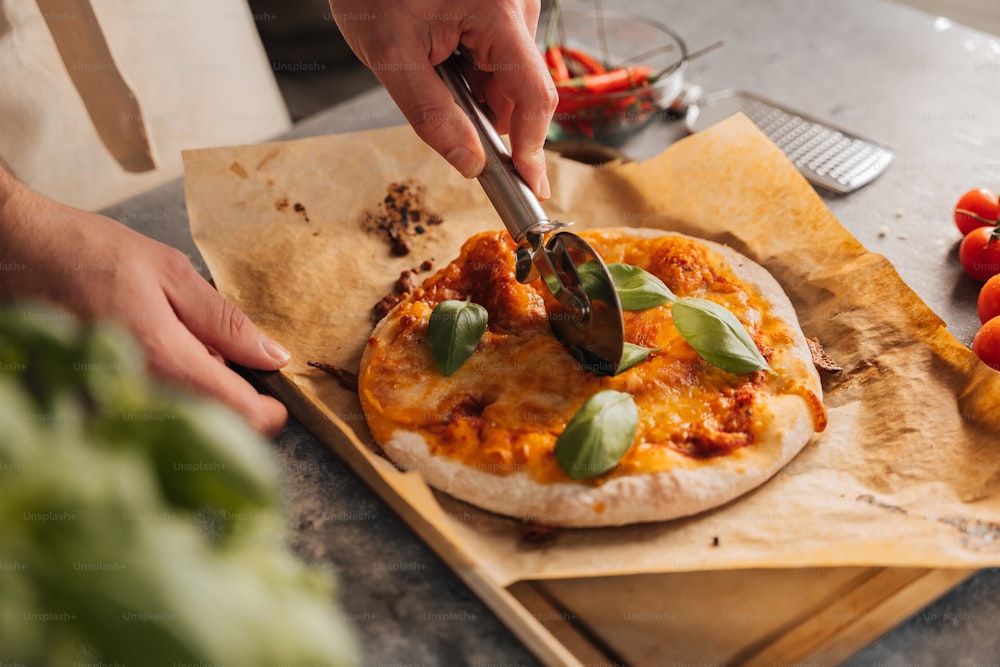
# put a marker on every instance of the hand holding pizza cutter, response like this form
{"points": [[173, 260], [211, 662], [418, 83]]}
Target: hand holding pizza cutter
{"points": [[586, 313]]}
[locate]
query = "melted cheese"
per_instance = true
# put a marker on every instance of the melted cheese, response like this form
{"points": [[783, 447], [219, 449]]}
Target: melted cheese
{"points": [[503, 410]]}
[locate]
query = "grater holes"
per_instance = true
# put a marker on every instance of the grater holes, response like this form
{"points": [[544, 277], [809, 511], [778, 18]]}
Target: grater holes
{"points": [[831, 156], [826, 156], [867, 168], [812, 138], [846, 166]]}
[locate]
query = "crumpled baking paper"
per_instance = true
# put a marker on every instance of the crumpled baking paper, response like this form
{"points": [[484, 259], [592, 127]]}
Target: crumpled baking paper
{"points": [[906, 474]]}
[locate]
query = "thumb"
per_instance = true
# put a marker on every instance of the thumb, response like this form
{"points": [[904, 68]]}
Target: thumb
{"points": [[223, 327]]}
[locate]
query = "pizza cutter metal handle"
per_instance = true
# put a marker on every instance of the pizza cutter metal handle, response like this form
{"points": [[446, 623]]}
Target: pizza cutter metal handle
{"points": [[516, 204], [588, 320], [510, 195]]}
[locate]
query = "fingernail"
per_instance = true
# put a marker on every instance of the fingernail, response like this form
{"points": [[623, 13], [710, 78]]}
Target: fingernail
{"points": [[275, 351], [462, 159], [543, 189]]}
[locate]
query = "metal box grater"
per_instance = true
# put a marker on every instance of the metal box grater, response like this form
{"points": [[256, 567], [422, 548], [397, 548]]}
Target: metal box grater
{"points": [[827, 156]]}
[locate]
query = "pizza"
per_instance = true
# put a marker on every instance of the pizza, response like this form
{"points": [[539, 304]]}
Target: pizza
{"points": [[487, 433]]}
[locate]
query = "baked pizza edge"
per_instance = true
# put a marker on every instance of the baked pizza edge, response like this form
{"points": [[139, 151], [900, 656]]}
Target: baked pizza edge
{"points": [[649, 497]]}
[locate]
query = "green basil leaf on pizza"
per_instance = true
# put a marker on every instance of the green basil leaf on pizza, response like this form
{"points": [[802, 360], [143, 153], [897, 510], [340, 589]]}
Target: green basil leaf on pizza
{"points": [[454, 332], [598, 435]]}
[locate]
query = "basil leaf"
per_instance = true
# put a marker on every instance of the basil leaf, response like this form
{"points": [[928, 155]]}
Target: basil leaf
{"points": [[637, 288], [591, 281], [454, 332], [598, 435], [717, 336], [633, 354]]}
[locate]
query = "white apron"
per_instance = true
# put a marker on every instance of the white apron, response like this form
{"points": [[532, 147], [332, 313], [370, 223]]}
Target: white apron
{"points": [[99, 97]]}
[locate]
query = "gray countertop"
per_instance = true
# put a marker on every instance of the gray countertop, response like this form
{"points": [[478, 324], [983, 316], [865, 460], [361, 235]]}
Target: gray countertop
{"points": [[928, 88]]}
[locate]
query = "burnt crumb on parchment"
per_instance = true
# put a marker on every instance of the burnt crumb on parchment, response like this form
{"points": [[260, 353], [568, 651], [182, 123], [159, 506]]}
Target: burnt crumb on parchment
{"points": [[382, 308], [407, 282], [282, 204], [535, 533], [238, 169], [821, 358], [347, 379], [301, 210], [401, 215]]}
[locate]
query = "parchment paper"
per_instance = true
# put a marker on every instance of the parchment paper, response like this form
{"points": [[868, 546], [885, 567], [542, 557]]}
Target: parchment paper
{"points": [[906, 474]]}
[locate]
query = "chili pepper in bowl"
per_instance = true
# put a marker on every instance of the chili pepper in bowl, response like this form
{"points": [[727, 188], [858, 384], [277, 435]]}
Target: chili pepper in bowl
{"points": [[613, 72]]}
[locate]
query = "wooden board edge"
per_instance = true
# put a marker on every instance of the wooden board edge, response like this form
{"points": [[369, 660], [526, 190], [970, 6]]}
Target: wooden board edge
{"points": [[891, 612], [562, 623], [848, 624], [903, 591], [518, 619]]}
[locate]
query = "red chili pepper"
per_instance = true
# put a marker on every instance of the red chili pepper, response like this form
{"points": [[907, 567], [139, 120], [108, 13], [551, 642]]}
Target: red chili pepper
{"points": [[556, 63], [589, 63], [616, 80]]}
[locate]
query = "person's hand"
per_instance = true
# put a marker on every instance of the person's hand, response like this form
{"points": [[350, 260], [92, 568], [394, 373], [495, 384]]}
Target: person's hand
{"points": [[402, 40], [97, 268]]}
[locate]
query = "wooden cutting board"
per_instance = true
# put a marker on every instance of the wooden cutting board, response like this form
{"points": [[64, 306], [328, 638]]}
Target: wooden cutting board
{"points": [[738, 617], [762, 617]]}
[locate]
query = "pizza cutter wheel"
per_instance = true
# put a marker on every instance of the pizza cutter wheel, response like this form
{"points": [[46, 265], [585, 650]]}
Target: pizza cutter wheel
{"points": [[584, 309]]}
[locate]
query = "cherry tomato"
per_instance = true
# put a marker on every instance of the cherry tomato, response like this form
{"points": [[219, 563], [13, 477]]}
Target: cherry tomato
{"points": [[980, 253], [976, 208], [988, 304], [986, 343]]}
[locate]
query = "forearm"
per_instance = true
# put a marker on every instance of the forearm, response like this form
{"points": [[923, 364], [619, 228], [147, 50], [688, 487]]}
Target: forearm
{"points": [[12, 232], [13, 198], [30, 227], [10, 193], [96, 268], [8, 183]]}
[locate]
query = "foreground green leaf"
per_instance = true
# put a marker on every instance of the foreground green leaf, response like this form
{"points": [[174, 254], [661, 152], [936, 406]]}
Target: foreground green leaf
{"points": [[598, 435], [106, 480]]}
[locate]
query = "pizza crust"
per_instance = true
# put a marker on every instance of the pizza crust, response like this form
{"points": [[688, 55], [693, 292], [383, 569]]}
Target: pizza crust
{"points": [[688, 488]]}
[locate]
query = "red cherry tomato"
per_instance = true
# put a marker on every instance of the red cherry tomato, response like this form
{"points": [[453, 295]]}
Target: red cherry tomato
{"points": [[980, 253], [988, 304], [976, 208], [986, 343]]}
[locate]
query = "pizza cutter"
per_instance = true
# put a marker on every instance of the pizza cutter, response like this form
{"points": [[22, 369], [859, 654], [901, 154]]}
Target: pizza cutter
{"points": [[585, 312]]}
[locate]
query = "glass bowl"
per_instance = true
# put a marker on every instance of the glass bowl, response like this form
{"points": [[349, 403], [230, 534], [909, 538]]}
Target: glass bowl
{"points": [[615, 39]]}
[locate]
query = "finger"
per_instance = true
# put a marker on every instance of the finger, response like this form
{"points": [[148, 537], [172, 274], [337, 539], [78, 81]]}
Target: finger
{"points": [[216, 322], [499, 106], [177, 356], [532, 10], [520, 75], [428, 106]]}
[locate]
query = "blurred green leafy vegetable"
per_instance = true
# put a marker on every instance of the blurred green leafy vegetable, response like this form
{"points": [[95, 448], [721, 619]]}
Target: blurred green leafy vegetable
{"points": [[107, 484]]}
